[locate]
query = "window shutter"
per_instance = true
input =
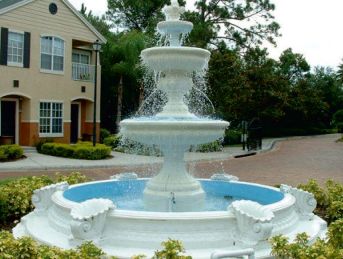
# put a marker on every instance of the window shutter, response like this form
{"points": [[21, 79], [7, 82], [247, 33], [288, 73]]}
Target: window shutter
{"points": [[4, 46], [27, 49]]}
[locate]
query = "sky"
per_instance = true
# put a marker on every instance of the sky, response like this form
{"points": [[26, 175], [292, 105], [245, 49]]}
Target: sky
{"points": [[313, 28]]}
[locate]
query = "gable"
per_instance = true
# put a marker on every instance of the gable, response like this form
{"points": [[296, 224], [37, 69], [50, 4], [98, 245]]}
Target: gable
{"points": [[34, 14]]}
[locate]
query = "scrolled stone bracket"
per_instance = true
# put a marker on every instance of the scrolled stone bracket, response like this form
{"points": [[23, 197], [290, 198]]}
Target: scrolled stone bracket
{"points": [[254, 222], [305, 201], [88, 219], [41, 198]]}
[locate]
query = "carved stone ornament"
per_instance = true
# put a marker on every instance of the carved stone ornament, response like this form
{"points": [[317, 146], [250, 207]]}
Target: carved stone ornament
{"points": [[253, 221], [125, 176], [173, 11], [305, 201], [41, 198], [89, 218], [224, 177]]}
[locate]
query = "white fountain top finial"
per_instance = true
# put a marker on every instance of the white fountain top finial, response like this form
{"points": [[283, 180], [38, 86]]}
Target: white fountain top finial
{"points": [[173, 11]]}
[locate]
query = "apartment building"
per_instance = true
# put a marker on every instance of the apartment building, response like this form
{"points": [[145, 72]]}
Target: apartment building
{"points": [[47, 71]]}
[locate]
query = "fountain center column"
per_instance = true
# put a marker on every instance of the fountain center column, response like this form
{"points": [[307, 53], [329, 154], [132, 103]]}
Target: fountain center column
{"points": [[173, 184]]}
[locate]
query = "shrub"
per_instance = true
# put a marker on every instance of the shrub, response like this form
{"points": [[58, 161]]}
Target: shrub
{"points": [[10, 152], [42, 141], [329, 199], [300, 248], [27, 248], [339, 127], [134, 147], [338, 116], [232, 137], [173, 249], [215, 146], [104, 133], [112, 141], [82, 150], [15, 196]]}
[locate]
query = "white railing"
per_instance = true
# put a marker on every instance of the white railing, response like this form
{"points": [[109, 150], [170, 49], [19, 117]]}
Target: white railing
{"points": [[238, 253], [83, 72]]}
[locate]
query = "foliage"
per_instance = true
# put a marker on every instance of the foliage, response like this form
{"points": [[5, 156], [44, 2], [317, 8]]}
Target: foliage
{"points": [[236, 23], [329, 199], [10, 152], [137, 148], [232, 137], [338, 120], [15, 196], [27, 248], [112, 141], [214, 146], [104, 133], [173, 249], [81, 150], [42, 141], [301, 249]]}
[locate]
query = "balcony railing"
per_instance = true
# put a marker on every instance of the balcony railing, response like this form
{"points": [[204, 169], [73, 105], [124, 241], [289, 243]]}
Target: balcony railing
{"points": [[83, 72]]}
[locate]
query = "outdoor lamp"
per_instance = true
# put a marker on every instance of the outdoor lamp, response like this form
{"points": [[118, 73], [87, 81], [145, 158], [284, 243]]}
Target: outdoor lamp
{"points": [[96, 48]]}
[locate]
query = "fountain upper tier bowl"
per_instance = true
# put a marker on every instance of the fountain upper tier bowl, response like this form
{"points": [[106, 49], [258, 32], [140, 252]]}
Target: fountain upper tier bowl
{"points": [[177, 27], [168, 132], [185, 59]]}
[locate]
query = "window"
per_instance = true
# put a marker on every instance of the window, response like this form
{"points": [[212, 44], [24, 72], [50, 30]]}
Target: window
{"points": [[51, 118], [52, 54], [15, 54], [81, 58]]}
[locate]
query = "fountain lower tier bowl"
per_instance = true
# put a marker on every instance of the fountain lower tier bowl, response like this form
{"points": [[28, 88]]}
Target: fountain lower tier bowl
{"points": [[173, 132], [183, 59], [108, 213]]}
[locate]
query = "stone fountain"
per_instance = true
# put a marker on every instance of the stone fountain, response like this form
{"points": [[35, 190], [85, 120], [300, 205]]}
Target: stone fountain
{"points": [[127, 216]]}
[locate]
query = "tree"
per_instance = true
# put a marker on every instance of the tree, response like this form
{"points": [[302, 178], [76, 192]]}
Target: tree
{"points": [[340, 72], [136, 15], [127, 66], [240, 24]]}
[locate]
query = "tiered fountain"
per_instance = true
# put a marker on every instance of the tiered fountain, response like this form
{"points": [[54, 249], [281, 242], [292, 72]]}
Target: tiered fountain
{"points": [[126, 215]]}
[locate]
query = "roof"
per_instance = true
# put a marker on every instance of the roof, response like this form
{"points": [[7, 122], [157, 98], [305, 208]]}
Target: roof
{"points": [[8, 5]]}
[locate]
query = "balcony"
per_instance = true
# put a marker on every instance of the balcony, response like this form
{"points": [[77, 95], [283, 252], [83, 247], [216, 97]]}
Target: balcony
{"points": [[83, 72]]}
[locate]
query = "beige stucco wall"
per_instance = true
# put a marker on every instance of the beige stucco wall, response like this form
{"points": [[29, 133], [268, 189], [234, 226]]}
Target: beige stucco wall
{"points": [[36, 19]]}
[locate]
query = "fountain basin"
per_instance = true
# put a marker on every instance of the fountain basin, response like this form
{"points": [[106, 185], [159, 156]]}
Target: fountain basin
{"points": [[184, 59], [128, 232], [170, 132]]}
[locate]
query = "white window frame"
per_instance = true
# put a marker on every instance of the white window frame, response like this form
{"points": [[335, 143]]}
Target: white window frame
{"points": [[81, 52], [52, 71], [51, 135], [16, 64]]}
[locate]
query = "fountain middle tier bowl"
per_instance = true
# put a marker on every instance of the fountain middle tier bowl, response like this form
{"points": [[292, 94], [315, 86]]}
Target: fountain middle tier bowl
{"points": [[169, 132], [185, 59]]}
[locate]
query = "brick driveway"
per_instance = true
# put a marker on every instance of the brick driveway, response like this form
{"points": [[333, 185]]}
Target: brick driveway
{"points": [[292, 162]]}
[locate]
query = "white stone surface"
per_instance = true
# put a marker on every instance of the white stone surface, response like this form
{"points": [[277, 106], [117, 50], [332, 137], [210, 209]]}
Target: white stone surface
{"points": [[126, 233]]}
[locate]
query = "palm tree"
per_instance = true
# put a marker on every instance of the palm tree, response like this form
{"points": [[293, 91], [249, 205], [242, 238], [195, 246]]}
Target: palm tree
{"points": [[127, 53]]}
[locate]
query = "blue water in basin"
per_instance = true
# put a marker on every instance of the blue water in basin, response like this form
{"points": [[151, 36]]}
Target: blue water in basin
{"points": [[128, 195]]}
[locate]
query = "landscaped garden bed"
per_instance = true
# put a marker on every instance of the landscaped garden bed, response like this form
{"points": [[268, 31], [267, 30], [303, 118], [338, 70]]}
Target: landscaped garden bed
{"points": [[81, 150], [10, 153]]}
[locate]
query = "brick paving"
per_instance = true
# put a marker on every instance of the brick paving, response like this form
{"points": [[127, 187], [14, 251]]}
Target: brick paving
{"points": [[292, 162]]}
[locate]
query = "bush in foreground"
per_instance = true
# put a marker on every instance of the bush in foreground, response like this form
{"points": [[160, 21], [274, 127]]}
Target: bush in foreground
{"points": [[10, 152], [81, 150], [15, 196]]}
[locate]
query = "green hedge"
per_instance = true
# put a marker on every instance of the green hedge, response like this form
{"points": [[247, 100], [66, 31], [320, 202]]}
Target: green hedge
{"points": [[112, 141], [10, 152], [81, 150]]}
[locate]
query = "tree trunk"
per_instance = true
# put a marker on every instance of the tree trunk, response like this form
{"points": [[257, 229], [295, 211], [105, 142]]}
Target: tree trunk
{"points": [[119, 102]]}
